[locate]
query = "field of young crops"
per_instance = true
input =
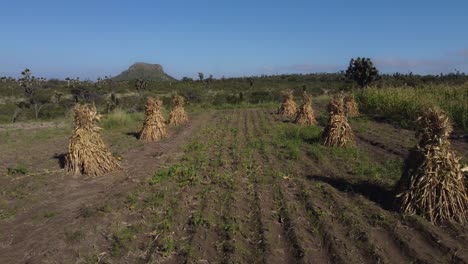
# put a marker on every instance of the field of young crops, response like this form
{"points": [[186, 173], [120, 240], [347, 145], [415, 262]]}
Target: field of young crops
{"points": [[230, 186]]}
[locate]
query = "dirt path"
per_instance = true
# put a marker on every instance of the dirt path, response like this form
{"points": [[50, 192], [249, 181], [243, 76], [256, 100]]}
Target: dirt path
{"points": [[32, 125]]}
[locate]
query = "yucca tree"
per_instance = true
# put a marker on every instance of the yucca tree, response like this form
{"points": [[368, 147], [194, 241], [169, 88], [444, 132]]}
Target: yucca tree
{"points": [[140, 85], [68, 82], [362, 71], [30, 85], [251, 82], [27, 83], [209, 81]]}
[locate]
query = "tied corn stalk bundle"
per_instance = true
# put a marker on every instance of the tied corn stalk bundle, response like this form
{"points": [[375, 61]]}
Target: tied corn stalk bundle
{"points": [[351, 107], [178, 115], [305, 114], [288, 106], [338, 132], [432, 184], [465, 170], [154, 126], [87, 153]]}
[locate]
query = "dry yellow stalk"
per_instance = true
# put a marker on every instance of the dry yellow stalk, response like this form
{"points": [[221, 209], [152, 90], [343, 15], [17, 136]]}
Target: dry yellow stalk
{"points": [[154, 126], [351, 107], [305, 113], [87, 153], [288, 107], [432, 184], [178, 115], [338, 132]]}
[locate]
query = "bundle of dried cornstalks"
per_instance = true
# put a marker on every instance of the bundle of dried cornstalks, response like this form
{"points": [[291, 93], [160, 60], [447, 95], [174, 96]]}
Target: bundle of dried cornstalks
{"points": [[288, 107], [351, 107], [338, 132], [305, 114], [154, 126], [432, 184], [178, 115], [87, 153], [465, 170]]}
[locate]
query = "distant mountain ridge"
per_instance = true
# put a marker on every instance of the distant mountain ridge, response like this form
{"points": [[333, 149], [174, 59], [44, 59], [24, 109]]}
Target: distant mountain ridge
{"points": [[145, 71]]}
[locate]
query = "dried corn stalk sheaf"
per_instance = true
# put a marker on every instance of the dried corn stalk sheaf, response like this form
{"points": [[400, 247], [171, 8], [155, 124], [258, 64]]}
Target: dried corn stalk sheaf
{"points": [[305, 113], [178, 115], [432, 184], [465, 169], [288, 106], [154, 126], [351, 107], [87, 153], [338, 132]]}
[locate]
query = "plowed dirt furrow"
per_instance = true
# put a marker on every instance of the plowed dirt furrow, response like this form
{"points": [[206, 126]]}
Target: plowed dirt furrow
{"points": [[359, 230], [281, 242], [338, 249], [304, 241], [238, 211], [189, 199], [421, 255], [407, 238], [341, 249], [278, 247], [376, 246], [205, 238], [447, 244]]}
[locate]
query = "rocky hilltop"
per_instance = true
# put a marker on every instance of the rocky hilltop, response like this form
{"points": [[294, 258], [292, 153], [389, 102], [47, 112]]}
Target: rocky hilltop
{"points": [[145, 71]]}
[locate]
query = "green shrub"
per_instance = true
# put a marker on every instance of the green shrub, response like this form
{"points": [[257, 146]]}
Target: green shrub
{"points": [[118, 118], [6, 112], [50, 111]]}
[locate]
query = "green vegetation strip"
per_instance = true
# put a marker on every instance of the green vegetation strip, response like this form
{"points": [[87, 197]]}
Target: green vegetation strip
{"points": [[403, 104]]}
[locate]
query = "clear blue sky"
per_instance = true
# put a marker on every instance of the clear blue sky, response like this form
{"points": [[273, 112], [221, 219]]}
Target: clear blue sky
{"points": [[232, 38]]}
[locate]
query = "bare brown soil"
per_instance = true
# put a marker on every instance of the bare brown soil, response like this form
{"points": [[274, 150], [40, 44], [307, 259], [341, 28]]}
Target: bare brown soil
{"points": [[218, 189]]}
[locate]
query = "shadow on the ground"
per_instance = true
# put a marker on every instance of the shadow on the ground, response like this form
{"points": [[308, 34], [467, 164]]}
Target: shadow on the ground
{"points": [[60, 159], [314, 140], [288, 121], [373, 192], [322, 120], [134, 134]]}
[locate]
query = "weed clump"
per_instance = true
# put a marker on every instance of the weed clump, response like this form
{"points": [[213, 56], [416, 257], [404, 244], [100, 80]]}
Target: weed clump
{"points": [[178, 115], [338, 132], [17, 170], [351, 107], [432, 184], [305, 114], [87, 153], [288, 107], [154, 126]]}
